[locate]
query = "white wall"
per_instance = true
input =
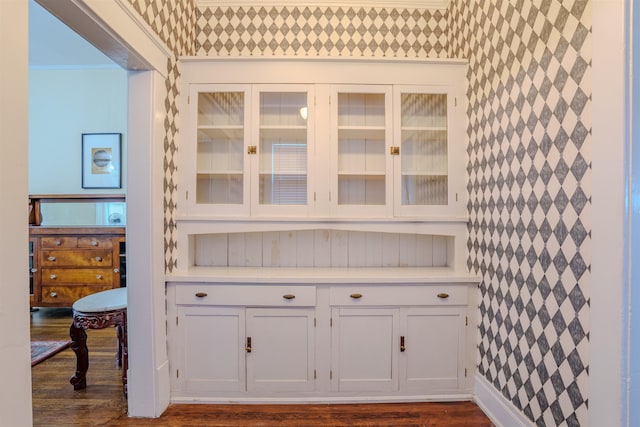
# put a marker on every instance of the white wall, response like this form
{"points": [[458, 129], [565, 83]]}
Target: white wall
{"points": [[64, 104], [15, 369]]}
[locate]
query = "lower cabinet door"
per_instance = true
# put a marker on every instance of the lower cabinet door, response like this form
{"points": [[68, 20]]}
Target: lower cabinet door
{"points": [[364, 354], [211, 346], [431, 349], [281, 356]]}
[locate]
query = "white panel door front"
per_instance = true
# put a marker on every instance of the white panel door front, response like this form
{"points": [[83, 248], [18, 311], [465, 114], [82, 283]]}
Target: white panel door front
{"points": [[281, 357], [363, 350], [431, 355], [212, 348]]}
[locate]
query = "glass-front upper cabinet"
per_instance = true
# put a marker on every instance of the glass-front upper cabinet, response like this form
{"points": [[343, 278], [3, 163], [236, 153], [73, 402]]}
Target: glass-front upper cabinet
{"points": [[423, 151], [221, 139], [283, 124], [361, 165]]}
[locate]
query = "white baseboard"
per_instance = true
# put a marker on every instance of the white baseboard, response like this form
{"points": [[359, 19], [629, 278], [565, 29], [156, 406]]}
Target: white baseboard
{"points": [[501, 412]]}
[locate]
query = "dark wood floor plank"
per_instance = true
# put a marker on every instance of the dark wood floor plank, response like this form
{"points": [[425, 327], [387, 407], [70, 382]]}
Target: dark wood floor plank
{"points": [[56, 404]]}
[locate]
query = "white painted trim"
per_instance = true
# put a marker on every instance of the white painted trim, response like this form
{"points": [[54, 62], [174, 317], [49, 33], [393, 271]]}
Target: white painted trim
{"points": [[148, 361], [607, 374], [115, 29], [500, 411], [325, 399], [320, 59], [409, 4], [124, 21], [15, 367]]}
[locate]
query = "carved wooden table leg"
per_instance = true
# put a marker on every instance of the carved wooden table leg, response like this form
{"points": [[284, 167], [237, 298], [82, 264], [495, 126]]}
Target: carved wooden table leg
{"points": [[79, 347], [97, 320], [98, 311]]}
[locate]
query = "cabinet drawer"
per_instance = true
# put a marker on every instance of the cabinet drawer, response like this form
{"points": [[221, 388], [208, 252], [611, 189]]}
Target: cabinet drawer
{"points": [[246, 295], [77, 275], [97, 258], [59, 242], [68, 294], [437, 295], [95, 242]]}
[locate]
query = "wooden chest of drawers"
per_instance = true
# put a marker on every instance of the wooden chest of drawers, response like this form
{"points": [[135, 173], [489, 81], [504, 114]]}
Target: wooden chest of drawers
{"points": [[68, 263]]}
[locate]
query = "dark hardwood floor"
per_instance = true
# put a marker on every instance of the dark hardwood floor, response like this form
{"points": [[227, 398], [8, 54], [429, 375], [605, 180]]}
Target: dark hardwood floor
{"points": [[56, 404]]}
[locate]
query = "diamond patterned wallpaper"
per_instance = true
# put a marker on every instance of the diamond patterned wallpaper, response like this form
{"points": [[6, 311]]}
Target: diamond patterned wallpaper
{"points": [[174, 22], [320, 31], [529, 168], [529, 184]]}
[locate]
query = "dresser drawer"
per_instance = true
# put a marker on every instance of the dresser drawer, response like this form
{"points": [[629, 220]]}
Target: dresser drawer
{"points": [[437, 295], [77, 275], [71, 258], [95, 243], [246, 295], [67, 295], [59, 242]]}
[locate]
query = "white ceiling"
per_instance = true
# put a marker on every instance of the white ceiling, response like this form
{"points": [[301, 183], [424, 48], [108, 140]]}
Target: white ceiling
{"points": [[54, 45]]}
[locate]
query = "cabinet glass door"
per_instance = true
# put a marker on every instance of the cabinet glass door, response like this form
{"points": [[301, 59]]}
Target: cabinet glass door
{"points": [[363, 162], [283, 148], [424, 147], [220, 154]]}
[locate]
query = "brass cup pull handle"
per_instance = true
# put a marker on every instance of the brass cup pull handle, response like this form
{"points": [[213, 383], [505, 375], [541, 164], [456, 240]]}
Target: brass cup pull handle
{"points": [[201, 294], [99, 276], [94, 243], [288, 296], [52, 277], [443, 295], [99, 258], [402, 346], [248, 347], [53, 294], [356, 296], [52, 258], [57, 243]]}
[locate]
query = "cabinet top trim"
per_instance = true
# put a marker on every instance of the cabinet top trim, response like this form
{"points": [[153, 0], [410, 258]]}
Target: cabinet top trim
{"points": [[322, 275], [424, 4], [340, 59]]}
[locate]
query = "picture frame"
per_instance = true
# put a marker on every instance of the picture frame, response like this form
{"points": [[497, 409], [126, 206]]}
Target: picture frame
{"points": [[101, 160]]}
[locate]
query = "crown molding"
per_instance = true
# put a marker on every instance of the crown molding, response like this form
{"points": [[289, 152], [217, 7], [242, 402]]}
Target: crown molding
{"points": [[409, 4]]}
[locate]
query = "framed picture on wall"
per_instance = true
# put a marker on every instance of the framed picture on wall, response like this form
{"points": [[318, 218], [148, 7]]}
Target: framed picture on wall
{"points": [[101, 160]]}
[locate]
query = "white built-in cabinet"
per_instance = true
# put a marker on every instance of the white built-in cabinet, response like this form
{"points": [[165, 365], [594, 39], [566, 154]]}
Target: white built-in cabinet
{"points": [[322, 150], [321, 232]]}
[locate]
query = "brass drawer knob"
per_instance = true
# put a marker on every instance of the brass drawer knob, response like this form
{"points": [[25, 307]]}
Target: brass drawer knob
{"points": [[94, 243], [288, 296], [356, 296], [53, 294], [99, 258], [57, 243], [52, 258], [99, 276], [34, 270], [443, 295], [201, 294], [53, 277], [116, 270]]}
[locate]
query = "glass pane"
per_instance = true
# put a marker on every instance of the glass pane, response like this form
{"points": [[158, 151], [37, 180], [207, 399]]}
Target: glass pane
{"points": [[283, 148], [361, 149], [424, 156], [220, 153], [84, 213]]}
